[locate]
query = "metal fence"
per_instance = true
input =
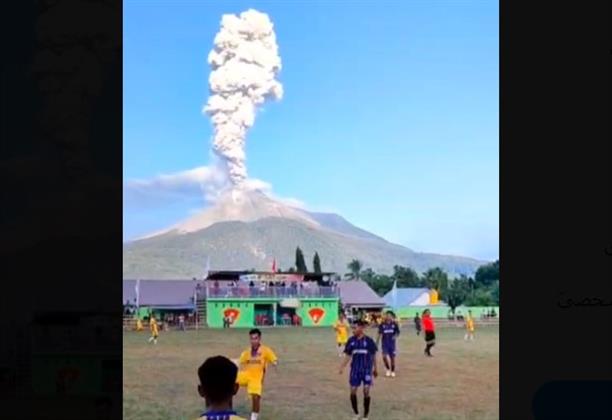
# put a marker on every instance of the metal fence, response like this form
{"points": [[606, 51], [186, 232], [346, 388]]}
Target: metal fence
{"points": [[246, 291]]}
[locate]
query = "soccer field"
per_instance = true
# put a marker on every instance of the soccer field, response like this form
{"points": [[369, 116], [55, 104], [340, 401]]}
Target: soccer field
{"points": [[461, 381]]}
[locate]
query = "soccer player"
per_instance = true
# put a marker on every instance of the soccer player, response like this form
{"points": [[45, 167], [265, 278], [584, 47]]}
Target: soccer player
{"points": [[361, 352], [389, 331], [341, 327], [139, 326], [253, 363], [469, 326], [430, 332], [417, 324], [218, 386], [154, 330]]}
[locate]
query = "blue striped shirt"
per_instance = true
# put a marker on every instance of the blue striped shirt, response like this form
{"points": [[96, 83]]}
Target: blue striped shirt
{"points": [[362, 351], [388, 331], [220, 415]]}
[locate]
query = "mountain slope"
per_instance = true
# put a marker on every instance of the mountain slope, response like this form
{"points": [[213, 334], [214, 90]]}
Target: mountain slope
{"points": [[240, 205], [245, 245]]}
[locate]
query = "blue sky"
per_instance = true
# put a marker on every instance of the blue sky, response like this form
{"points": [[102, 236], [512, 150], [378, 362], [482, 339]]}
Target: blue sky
{"points": [[389, 117]]}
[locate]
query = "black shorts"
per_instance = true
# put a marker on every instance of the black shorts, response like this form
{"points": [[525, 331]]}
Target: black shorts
{"points": [[430, 336]]}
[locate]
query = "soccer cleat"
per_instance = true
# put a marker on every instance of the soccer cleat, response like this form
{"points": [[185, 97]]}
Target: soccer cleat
{"points": [[387, 374], [393, 374]]}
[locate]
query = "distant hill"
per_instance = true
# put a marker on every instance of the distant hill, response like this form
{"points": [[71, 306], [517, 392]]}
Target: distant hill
{"points": [[247, 230]]}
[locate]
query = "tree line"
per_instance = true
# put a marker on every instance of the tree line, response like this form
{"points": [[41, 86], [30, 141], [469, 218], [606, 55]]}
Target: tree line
{"points": [[300, 264], [480, 290]]}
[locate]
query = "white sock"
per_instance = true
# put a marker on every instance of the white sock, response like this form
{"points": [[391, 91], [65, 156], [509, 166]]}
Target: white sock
{"points": [[253, 416]]}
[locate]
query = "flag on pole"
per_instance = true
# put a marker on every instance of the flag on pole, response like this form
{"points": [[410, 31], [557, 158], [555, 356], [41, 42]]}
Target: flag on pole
{"points": [[274, 265], [137, 290]]}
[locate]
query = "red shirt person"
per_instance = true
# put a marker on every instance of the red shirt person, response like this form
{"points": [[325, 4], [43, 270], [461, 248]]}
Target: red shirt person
{"points": [[430, 332]]}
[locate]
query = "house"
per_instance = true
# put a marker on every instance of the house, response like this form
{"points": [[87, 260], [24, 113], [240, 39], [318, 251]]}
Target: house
{"points": [[357, 294], [409, 296], [160, 297]]}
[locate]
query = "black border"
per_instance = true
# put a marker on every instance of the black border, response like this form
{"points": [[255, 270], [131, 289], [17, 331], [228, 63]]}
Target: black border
{"points": [[555, 68], [61, 118], [61, 200]]}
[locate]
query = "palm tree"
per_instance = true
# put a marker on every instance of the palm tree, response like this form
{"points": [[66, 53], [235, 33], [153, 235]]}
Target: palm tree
{"points": [[355, 266]]}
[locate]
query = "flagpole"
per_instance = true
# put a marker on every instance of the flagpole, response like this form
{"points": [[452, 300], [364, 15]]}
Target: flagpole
{"points": [[205, 277]]}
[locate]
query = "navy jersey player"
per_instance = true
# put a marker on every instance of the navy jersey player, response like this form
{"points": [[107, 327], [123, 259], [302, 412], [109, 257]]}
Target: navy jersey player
{"points": [[361, 351], [388, 330]]}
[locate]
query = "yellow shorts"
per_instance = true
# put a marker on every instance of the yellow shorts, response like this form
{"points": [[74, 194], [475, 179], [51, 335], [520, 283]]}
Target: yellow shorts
{"points": [[341, 340], [254, 385]]}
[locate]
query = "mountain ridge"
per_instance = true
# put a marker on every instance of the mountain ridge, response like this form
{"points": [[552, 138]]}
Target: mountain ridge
{"points": [[248, 230]]}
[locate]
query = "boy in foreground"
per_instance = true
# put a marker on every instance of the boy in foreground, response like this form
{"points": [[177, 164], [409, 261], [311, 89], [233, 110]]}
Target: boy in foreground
{"points": [[218, 386], [361, 352]]}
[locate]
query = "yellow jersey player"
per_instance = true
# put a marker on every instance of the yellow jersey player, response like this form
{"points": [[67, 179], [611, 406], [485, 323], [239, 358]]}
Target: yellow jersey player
{"points": [[469, 327], [253, 363], [154, 330], [139, 326], [341, 327], [218, 386]]}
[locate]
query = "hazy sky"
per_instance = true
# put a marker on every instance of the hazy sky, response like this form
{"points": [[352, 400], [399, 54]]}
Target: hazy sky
{"points": [[389, 117]]}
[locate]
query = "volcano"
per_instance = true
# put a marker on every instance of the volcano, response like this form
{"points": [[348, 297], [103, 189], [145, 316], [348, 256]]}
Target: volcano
{"points": [[246, 229]]}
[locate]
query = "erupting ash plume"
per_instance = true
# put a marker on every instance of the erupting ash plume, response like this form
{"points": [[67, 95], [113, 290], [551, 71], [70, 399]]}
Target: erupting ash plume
{"points": [[245, 63]]}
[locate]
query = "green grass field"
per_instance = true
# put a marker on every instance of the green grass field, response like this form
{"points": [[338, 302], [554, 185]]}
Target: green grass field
{"points": [[461, 381]]}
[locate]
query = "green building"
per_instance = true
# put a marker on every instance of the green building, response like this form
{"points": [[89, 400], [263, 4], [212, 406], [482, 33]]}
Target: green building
{"points": [[237, 299], [249, 312], [245, 300]]}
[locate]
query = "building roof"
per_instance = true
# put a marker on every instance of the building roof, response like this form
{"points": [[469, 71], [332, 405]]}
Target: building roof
{"points": [[405, 296], [171, 294], [358, 293]]}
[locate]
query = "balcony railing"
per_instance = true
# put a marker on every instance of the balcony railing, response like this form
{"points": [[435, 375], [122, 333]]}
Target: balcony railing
{"points": [[245, 291]]}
